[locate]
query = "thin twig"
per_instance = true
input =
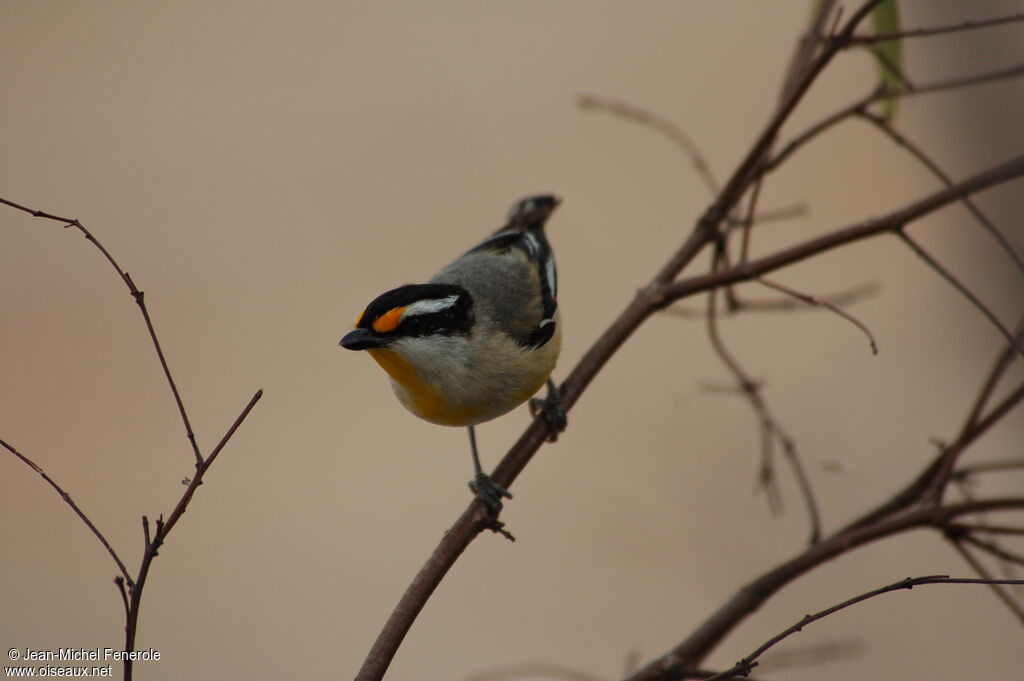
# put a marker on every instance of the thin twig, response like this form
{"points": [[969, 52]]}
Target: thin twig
{"points": [[917, 152], [131, 590], [748, 599], [943, 470], [797, 210], [750, 389], [869, 39], [672, 291], [800, 81], [880, 94], [891, 517], [808, 45], [119, 582], [1008, 600], [993, 549], [593, 102], [850, 296], [821, 302], [770, 428], [982, 78], [74, 507], [955, 283], [988, 467], [750, 661], [821, 126], [748, 220], [163, 528], [139, 297], [990, 529], [999, 368]]}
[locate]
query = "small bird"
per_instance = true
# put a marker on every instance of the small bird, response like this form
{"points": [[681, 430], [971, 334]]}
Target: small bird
{"points": [[478, 339]]}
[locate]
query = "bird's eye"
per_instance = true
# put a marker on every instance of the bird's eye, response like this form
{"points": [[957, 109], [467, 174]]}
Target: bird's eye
{"points": [[413, 326]]}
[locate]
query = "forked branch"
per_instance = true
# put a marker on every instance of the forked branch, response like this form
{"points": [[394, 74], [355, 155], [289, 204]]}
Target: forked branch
{"points": [[130, 588]]}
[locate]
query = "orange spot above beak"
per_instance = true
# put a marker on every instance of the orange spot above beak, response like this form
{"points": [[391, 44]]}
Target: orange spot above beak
{"points": [[389, 320]]}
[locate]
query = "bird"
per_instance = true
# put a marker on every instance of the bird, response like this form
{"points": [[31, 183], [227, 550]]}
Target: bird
{"points": [[477, 340]]}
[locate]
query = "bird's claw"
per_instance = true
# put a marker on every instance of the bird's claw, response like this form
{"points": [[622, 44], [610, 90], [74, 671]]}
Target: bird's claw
{"points": [[489, 492], [552, 408]]}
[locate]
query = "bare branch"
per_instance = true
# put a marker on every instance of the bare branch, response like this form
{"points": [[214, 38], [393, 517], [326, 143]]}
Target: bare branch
{"points": [[989, 467], [955, 283], [868, 39], [748, 221], [770, 428], [594, 102], [74, 507], [990, 529], [176, 514], [850, 296], [1008, 600], [163, 528], [891, 222], [821, 126], [953, 452], [992, 549], [1002, 363], [820, 302], [119, 582], [139, 299], [982, 78], [881, 94], [797, 210], [793, 92], [750, 661], [917, 152], [808, 45]]}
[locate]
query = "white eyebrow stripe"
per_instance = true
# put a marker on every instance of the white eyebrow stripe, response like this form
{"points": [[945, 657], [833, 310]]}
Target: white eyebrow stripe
{"points": [[429, 306]]}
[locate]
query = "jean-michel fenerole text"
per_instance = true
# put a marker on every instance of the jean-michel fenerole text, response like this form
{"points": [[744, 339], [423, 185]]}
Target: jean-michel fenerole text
{"points": [[80, 654]]}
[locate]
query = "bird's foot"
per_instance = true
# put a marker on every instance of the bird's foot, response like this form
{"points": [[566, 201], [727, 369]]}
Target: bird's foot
{"points": [[552, 408], [489, 492]]}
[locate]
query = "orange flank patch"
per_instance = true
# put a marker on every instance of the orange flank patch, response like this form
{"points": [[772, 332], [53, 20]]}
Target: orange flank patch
{"points": [[388, 321]]}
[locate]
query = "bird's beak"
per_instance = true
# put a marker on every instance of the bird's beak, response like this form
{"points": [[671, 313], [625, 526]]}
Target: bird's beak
{"points": [[362, 339]]}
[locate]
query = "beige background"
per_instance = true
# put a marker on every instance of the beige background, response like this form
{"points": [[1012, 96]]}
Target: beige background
{"points": [[263, 169]]}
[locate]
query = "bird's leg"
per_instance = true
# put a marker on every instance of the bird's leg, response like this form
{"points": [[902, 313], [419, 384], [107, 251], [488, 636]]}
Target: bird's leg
{"points": [[553, 409], [482, 486]]}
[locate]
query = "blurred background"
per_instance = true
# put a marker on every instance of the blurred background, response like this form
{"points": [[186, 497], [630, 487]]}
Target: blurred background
{"points": [[263, 169]]}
